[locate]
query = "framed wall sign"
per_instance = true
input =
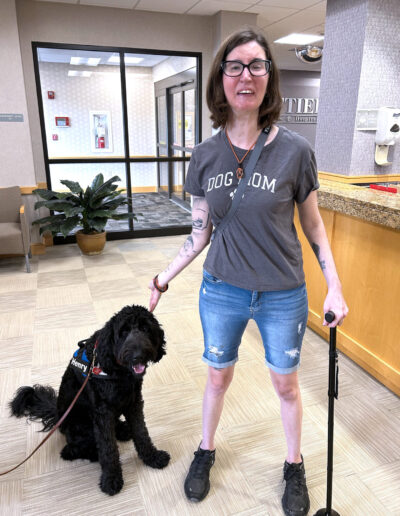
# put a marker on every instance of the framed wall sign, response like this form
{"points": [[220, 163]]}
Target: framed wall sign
{"points": [[100, 131]]}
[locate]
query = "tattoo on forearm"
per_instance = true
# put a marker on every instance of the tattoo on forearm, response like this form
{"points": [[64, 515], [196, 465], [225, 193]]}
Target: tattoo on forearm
{"points": [[316, 250], [188, 247]]}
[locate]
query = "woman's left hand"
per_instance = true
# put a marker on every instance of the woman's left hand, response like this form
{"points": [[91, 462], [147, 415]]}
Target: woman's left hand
{"points": [[154, 296], [335, 303]]}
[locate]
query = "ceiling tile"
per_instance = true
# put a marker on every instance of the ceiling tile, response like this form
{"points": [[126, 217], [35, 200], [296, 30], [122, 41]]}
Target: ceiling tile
{"points": [[300, 21], [122, 4], [60, 1], [172, 6], [292, 4], [268, 15], [211, 7]]}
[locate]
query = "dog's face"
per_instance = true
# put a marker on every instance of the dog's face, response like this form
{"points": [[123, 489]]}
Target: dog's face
{"points": [[135, 338]]}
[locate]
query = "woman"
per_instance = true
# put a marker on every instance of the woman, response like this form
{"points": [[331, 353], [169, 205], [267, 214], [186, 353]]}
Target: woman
{"points": [[254, 267]]}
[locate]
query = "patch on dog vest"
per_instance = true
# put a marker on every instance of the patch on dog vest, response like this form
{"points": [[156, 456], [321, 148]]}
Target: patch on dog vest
{"points": [[81, 364]]}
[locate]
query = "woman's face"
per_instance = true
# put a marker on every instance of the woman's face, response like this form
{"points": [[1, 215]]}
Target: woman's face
{"points": [[245, 93]]}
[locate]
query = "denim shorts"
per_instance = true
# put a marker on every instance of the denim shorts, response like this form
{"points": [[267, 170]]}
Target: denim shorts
{"points": [[281, 317]]}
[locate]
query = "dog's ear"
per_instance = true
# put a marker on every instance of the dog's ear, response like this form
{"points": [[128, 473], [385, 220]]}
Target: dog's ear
{"points": [[158, 339], [105, 340]]}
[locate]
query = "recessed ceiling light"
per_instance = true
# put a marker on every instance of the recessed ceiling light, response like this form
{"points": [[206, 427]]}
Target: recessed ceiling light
{"points": [[133, 60], [93, 61], [114, 59], [75, 61], [76, 73], [299, 39]]}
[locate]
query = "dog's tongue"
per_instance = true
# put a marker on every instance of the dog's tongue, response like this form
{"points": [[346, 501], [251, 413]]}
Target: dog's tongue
{"points": [[139, 368]]}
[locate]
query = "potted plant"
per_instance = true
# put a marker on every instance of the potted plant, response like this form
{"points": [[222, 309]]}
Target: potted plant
{"points": [[90, 209]]}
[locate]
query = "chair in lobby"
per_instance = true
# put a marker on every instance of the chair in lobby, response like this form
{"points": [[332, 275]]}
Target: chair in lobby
{"points": [[14, 226]]}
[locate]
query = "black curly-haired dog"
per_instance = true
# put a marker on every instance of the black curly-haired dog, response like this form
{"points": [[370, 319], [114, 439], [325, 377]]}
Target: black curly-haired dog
{"points": [[124, 347]]}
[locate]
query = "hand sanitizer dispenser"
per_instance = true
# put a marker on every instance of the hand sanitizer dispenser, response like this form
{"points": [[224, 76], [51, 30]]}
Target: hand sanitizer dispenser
{"points": [[387, 133]]}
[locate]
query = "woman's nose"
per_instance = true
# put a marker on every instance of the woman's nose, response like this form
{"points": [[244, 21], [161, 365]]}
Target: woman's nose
{"points": [[245, 74]]}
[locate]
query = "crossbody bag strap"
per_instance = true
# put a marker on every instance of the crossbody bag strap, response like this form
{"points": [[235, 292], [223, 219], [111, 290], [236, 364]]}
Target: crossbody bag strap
{"points": [[248, 172]]}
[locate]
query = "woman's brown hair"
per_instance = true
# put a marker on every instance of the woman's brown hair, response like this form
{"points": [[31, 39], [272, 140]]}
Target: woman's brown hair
{"points": [[270, 108]]}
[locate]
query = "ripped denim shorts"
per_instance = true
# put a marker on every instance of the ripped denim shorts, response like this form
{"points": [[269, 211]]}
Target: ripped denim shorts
{"points": [[281, 317]]}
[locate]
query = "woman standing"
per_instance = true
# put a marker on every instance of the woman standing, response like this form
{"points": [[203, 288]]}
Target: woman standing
{"points": [[254, 267]]}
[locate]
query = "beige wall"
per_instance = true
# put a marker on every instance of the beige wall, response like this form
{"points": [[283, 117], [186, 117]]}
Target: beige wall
{"points": [[16, 161]]}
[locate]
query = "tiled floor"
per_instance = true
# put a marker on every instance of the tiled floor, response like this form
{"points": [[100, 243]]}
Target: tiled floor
{"points": [[153, 211], [68, 296]]}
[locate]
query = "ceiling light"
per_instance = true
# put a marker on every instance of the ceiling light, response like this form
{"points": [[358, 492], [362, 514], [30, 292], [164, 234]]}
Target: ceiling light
{"points": [[75, 61], [299, 39], [133, 60], [76, 73], [93, 61], [114, 59]]}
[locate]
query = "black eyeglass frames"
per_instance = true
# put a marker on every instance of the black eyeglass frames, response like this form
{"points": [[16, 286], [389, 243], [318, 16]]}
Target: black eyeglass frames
{"points": [[257, 67]]}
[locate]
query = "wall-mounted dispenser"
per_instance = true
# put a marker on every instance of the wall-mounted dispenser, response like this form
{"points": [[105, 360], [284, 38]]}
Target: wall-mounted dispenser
{"points": [[387, 133]]}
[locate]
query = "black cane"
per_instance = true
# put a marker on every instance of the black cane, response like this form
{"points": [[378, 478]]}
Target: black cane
{"points": [[332, 394]]}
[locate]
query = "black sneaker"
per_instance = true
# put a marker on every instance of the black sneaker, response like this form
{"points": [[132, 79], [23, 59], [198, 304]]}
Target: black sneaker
{"points": [[295, 500], [197, 483]]}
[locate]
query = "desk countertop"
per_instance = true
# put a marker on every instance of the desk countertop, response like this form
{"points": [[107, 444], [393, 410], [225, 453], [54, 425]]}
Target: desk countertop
{"points": [[364, 203]]}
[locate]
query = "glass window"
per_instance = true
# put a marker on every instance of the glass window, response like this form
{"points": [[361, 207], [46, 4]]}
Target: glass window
{"points": [[84, 173], [162, 120], [177, 118], [82, 106], [190, 118]]}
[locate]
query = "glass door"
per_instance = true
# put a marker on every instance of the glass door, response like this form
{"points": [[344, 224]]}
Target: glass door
{"points": [[177, 133]]}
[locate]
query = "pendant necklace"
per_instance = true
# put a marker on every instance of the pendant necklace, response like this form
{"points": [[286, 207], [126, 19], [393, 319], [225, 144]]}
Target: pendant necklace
{"points": [[239, 170]]}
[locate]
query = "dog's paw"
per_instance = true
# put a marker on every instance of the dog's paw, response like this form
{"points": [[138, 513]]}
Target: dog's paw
{"points": [[158, 459], [70, 452], [111, 484], [122, 431]]}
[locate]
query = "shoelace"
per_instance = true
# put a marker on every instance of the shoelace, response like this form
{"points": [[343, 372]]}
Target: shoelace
{"points": [[201, 461], [297, 478]]}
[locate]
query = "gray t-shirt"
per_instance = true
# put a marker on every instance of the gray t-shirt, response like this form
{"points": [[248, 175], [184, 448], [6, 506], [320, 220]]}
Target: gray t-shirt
{"points": [[259, 248]]}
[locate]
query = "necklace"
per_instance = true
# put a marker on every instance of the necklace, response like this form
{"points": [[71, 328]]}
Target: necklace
{"points": [[239, 170]]}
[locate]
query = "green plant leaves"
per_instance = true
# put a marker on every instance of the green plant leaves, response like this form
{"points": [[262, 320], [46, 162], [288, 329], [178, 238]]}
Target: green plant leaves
{"points": [[72, 185], [45, 194], [90, 208]]}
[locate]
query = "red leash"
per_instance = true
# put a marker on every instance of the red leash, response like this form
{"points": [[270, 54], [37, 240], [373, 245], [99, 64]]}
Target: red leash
{"points": [[59, 421]]}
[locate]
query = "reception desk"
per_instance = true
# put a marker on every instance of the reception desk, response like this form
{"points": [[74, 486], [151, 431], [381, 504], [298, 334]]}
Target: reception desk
{"points": [[363, 228]]}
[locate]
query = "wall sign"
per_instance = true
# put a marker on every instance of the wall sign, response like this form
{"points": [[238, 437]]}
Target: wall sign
{"points": [[11, 117], [299, 110]]}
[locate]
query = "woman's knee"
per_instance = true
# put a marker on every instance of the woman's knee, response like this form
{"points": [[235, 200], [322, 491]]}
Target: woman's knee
{"points": [[288, 392], [286, 386], [220, 379]]}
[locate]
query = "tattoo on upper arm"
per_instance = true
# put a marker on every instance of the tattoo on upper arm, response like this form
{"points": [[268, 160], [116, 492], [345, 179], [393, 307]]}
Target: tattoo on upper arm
{"points": [[200, 214], [316, 250], [199, 223]]}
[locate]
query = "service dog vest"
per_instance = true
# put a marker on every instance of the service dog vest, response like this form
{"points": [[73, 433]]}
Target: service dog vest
{"points": [[81, 365]]}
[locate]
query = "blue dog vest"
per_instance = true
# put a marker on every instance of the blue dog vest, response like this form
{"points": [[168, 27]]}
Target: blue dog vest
{"points": [[81, 365]]}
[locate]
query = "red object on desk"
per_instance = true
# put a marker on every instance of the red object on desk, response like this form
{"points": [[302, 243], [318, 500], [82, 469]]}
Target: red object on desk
{"points": [[384, 188]]}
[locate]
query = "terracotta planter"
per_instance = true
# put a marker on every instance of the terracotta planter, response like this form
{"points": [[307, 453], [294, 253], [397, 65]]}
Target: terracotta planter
{"points": [[92, 243]]}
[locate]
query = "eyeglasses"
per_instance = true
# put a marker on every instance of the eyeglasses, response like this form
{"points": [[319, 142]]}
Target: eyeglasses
{"points": [[257, 67]]}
